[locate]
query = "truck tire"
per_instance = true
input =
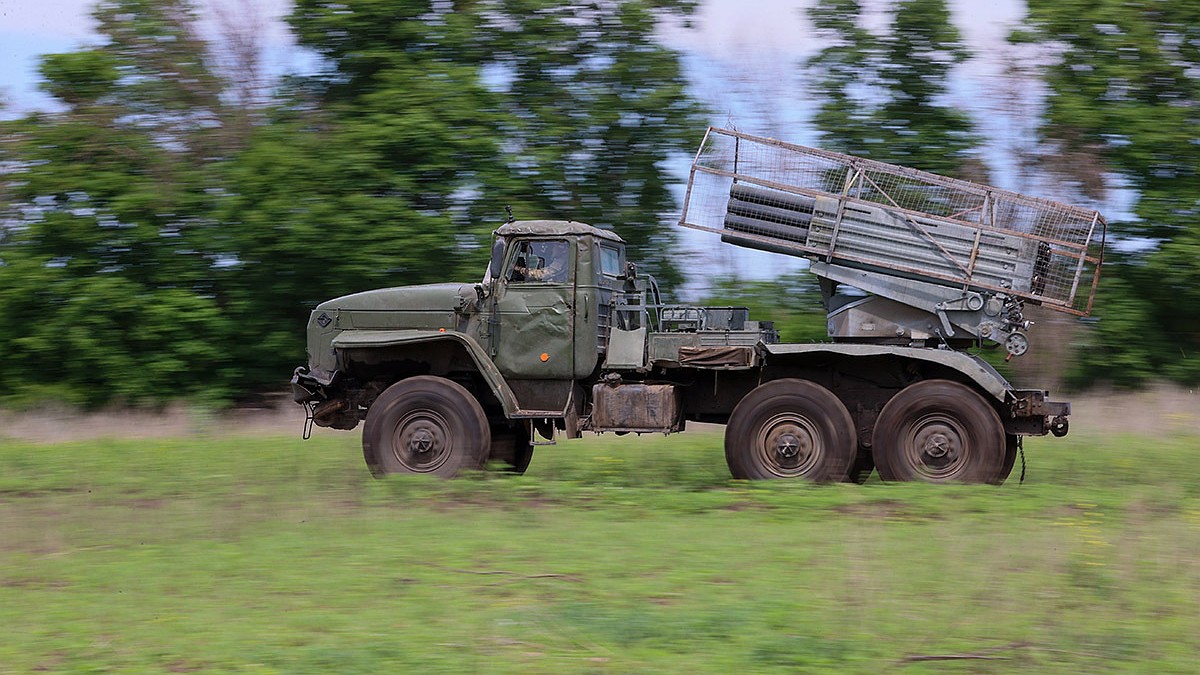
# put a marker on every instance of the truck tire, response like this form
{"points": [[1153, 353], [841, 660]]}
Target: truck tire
{"points": [[511, 451], [790, 429], [425, 425], [939, 431]]}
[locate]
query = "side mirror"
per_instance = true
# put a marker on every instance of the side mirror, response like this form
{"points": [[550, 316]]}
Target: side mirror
{"points": [[496, 264]]}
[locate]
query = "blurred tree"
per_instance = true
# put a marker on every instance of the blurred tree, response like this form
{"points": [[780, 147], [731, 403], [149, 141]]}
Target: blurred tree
{"points": [[174, 233], [370, 174], [842, 73], [106, 283], [562, 109], [312, 214], [80, 78], [170, 84], [1105, 353], [883, 95], [1125, 98], [393, 164], [593, 106]]}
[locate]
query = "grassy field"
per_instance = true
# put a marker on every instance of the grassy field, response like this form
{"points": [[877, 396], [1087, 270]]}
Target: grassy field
{"points": [[272, 555]]}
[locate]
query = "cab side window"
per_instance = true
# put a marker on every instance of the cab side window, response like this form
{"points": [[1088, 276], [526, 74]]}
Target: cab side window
{"points": [[610, 261]]}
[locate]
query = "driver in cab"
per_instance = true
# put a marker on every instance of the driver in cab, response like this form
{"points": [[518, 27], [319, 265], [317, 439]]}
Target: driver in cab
{"points": [[541, 261]]}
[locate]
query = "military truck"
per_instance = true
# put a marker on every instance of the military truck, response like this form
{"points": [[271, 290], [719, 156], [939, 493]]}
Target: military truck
{"points": [[564, 335]]}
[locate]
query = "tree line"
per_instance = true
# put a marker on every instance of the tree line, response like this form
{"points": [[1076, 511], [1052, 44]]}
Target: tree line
{"points": [[165, 234]]}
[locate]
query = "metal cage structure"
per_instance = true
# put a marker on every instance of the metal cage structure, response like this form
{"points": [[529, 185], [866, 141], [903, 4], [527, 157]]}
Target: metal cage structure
{"points": [[893, 220]]}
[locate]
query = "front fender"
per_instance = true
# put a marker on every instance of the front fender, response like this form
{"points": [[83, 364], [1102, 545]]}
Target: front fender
{"points": [[378, 339]]}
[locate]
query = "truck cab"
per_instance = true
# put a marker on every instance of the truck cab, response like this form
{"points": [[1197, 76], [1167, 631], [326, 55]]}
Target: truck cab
{"points": [[518, 343]]}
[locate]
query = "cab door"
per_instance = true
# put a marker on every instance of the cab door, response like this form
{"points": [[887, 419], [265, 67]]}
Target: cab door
{"points": [[533, 334]]}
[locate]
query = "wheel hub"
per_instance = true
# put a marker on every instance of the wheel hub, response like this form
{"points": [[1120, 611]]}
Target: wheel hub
{"points": [[942, 431], [937, 445], [420, 441], [789, 444]]}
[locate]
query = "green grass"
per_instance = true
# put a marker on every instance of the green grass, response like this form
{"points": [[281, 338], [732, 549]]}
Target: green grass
{"points": [[257, 555]]}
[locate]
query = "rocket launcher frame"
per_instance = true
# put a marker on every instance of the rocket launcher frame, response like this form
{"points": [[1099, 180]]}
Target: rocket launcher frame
{"points": [[888, 221]]}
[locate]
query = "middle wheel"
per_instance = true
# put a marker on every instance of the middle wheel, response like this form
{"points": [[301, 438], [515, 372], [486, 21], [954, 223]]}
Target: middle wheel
{"points": [[790, 429]]}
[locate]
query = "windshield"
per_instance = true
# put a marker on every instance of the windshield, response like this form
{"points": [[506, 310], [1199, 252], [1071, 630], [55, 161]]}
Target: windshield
{"points": [[544, 261]]}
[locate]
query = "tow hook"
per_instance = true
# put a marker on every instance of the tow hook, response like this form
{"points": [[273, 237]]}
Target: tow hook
{"points": [[1059, 426]]}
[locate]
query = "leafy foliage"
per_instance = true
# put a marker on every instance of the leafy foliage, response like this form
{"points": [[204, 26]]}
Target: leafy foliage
{"points": [[593, 106], [1124, 98], [1126, 91], [106, 285], [162, 239], [561, 109], [882, 95]]}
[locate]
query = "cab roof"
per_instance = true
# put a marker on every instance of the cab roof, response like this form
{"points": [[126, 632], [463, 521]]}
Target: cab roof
{"points": [[552, 227]]}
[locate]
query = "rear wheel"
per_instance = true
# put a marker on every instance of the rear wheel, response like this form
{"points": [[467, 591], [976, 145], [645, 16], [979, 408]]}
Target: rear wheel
{"points": [[1012, 445], [940, 431], [426, 425], [790, 429]]}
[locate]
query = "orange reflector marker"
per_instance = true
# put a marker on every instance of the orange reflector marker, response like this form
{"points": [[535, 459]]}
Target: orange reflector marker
{"points": [[545, 357]]}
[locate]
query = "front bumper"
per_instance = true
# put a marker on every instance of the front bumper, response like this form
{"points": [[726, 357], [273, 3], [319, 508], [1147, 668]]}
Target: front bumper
{"points": [[312, 385]]}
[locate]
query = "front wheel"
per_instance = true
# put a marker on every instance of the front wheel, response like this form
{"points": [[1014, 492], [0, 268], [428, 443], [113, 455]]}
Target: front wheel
{"points": [[940, 431], [425, 425], [790, 429]]}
